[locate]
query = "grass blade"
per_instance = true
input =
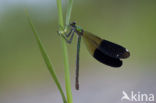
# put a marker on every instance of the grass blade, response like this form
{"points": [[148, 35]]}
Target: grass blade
{"points": [[65, 52], [46, 58], [69, 9]]}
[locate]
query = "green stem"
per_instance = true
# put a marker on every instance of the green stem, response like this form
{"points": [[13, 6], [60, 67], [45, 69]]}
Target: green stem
{"points": [[67, 72], [65, 52], [46, 59], [68, 14]]}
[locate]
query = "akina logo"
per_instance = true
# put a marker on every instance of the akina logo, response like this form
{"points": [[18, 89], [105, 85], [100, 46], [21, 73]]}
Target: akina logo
{"points": [[137, 97]]}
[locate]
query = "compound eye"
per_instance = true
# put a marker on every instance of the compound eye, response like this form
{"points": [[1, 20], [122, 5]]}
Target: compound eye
{"points": [[73, 24]]}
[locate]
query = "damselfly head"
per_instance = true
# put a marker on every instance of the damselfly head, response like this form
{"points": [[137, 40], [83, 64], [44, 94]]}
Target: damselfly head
{"points": [[73, 24]]}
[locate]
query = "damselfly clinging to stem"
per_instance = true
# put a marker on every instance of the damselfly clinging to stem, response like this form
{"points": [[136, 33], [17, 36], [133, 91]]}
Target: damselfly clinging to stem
{"points": [[102, 50]]}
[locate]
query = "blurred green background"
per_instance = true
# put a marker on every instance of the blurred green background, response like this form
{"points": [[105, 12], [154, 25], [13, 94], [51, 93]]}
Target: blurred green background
{"points": [[24, 77]]}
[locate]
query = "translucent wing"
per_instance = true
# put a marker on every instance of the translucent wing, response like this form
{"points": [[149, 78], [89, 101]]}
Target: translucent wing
{"points": [[108, 48], [94, 45]]}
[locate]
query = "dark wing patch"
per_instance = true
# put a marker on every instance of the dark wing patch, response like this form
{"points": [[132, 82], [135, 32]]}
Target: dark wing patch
{"points": [[113, 50], [105, 59]]}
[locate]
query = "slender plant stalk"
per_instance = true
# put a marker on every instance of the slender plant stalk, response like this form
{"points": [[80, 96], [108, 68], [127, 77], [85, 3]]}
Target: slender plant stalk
{"points": [[69, 9], [65, 52], [46, 58]]}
